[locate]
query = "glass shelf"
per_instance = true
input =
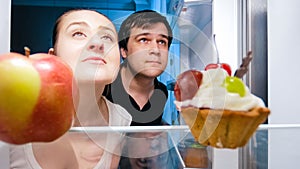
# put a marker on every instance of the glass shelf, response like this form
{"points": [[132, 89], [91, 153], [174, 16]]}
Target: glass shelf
{"points": [[273, 146]]}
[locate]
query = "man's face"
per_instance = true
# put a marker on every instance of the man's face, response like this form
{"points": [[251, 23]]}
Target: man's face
{"points": [[147, 50]]}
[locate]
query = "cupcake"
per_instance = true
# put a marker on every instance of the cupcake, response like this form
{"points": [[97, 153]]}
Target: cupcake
{"points": [[218, 108]]}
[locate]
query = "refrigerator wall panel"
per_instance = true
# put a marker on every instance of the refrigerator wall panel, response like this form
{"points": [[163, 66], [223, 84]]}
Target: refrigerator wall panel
{"points": [[284, 81]]}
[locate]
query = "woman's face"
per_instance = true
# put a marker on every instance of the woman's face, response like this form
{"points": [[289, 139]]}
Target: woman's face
{"points": [[88, 42]]}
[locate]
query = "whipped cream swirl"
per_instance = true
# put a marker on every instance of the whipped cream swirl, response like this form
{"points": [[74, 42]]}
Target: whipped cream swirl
{"points": [[213, 94]]}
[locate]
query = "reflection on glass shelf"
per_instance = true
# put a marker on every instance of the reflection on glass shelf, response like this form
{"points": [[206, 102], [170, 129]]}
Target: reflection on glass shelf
{"points": [[274, 146], [156, 147], [170, 146]]}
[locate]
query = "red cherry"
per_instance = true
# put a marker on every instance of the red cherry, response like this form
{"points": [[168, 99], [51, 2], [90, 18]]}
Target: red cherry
{"points": [[187, 84], [224, 66]]}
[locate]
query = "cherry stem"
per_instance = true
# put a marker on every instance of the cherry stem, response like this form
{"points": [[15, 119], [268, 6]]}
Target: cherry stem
{"points": [[215, 45], [27, 51]]}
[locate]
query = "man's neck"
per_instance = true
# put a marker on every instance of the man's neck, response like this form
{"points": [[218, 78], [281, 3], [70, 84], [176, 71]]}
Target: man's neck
{"points": [[136, 82], [137, 86]]}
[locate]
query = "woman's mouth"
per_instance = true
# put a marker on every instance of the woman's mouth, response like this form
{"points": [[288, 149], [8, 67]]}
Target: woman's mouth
{"points": [[94, 60]]}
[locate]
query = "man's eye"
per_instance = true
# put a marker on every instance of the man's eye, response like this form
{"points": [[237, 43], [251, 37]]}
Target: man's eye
{"points": [[163, 42], [143, 40]]}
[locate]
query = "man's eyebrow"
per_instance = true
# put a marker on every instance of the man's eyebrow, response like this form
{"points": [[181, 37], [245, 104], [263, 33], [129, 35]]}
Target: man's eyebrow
{"points": [[165, 36], [146, 33]]}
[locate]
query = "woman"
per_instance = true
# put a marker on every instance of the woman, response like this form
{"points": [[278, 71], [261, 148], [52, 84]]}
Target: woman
{"points": [[87, 41]]}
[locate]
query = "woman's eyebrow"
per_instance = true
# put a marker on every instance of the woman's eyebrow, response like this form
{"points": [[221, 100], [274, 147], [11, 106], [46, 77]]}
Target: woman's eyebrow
{"points": [[106, 28], [82, 23], [77, 23]]}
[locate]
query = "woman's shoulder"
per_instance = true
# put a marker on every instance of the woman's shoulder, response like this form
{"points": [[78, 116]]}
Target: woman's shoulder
{"points": [[21, 156], [56, 154]]}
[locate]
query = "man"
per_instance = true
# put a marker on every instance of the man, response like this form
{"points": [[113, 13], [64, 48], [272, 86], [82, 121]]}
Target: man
{"points": [[144, 38]]}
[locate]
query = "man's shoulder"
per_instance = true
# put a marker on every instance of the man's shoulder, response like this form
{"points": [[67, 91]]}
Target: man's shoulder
{"points": [[161, 86]]}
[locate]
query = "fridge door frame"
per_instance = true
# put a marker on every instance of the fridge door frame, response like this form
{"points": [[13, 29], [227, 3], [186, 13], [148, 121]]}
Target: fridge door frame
{"points": [[5, 13]]}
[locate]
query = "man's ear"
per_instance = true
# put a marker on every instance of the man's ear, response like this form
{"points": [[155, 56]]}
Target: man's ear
{"points": [[123, 53]]}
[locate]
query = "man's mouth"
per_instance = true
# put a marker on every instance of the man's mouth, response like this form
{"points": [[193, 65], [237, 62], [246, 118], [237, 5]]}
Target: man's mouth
{"points": [[153, 61]]}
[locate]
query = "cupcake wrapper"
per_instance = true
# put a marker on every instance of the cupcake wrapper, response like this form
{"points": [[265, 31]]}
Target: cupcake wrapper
{"points": [[223, 128]]}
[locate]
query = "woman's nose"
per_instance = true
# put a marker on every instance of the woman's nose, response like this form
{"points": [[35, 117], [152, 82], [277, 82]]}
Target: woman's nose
{"points": [[96, 46]]}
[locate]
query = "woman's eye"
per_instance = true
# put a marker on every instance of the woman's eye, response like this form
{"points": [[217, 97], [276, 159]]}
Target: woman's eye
{"points": [[78, 35], [107, 38]]}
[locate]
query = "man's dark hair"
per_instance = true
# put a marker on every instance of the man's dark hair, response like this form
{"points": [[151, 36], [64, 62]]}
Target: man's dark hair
{"points": [[142, 19]]}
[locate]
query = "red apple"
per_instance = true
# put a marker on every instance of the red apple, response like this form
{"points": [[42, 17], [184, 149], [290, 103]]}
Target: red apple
{"points": [[225, 66], [187, 84], [36, 100]]}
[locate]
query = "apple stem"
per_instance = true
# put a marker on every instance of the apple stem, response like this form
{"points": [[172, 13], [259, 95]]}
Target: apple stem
{"points": [[51, 51], [27, 51], [215, 45]]}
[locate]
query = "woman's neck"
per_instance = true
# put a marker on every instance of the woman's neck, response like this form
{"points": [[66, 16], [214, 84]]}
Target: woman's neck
{"points": [[91, 109]]}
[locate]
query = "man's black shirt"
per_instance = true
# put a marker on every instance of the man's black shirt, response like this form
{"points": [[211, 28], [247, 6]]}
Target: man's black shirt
{"points": [[150, 114]]}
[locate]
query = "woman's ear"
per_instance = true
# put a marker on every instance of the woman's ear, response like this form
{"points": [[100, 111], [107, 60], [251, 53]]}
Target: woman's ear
{"points": [[123, 53]]}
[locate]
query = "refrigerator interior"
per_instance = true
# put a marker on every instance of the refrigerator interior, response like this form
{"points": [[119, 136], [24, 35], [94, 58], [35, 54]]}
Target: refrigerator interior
{"points": [[272, 35]]}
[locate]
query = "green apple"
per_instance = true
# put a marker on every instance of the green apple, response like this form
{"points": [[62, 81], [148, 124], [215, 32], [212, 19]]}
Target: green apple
{"points": [[36, 100]]}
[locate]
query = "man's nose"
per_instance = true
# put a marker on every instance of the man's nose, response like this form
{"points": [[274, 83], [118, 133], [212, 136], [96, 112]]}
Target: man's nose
{"points": [[154, 47]]}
